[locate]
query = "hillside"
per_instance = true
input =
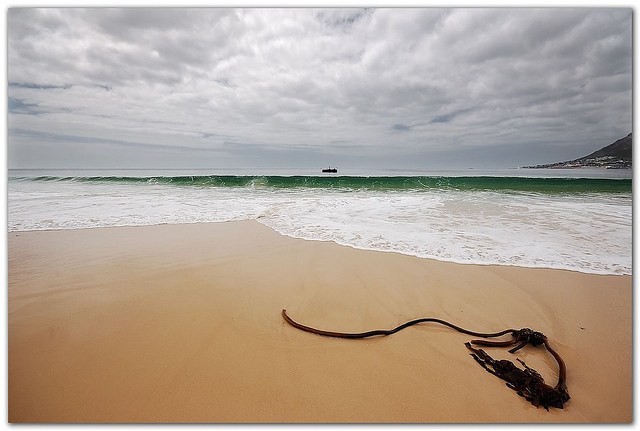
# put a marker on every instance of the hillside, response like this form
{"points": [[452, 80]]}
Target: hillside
{"points": [[614, 156], [620, 149]]}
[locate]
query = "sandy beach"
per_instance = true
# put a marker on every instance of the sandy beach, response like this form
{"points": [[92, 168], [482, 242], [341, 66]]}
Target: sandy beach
{"points": [[182, 323]]}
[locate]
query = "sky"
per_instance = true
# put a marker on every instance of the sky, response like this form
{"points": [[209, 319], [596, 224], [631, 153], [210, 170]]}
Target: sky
{"points": [[413, 88]]}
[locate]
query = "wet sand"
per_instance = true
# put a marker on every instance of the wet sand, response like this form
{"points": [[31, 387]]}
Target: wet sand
{"points": [[182, 323]]}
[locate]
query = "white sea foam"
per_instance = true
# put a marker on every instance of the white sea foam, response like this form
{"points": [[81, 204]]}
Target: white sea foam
{"points": [[582, 232]]}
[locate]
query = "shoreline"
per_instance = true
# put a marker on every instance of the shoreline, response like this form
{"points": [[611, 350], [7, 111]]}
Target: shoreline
{"points": [[354, 247], [181, 323]]}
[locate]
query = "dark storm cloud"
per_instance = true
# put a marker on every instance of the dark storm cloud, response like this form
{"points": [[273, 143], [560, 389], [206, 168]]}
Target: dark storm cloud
{"points": [[17, 106], [35, 86], [450, 116], [401, 127], [279, 82]]}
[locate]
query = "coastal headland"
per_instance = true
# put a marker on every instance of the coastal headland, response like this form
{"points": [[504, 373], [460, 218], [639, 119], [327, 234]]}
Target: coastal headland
{"points": [[618, 155]]}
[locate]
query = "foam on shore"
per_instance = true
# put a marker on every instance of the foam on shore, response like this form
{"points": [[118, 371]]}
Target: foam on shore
{"points": [[476, 220]]}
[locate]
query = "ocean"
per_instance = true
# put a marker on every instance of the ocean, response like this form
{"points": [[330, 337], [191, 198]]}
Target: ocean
{"points": [[578, 220]]}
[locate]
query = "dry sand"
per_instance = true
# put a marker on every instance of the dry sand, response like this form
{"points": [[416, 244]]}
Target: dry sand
{"points": [[182, 324]]}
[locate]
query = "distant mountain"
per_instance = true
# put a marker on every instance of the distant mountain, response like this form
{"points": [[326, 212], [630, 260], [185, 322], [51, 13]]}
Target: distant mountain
{"points": [[620, 149], [614, 156]]}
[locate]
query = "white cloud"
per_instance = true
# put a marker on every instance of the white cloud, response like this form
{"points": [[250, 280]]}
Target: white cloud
{"points": [[406, 84]]}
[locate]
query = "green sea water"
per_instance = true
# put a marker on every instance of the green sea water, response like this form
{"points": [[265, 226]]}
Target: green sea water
{"points": [[465, 183]]}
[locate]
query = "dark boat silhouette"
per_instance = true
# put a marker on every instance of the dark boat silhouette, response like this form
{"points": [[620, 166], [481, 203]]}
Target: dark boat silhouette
{"points": [[330, 170]]}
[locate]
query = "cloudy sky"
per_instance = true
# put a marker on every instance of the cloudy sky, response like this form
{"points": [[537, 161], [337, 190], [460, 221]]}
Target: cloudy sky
{"points": [[410, 88]]}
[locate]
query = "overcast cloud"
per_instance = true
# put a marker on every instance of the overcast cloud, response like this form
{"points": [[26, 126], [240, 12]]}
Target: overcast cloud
{"points": [[403, 88]]}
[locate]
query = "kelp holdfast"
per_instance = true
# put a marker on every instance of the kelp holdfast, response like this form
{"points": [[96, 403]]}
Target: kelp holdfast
{"points": [[527, 382]]}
